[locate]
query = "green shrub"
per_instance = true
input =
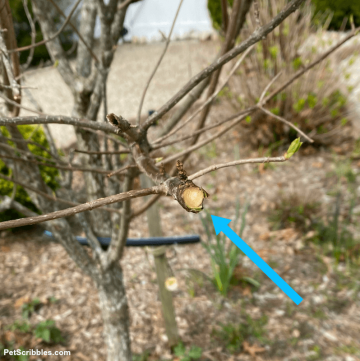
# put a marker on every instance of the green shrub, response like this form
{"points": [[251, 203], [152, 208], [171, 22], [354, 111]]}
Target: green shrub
{"points": [[193, 353], [48, 332], [340, 10], [23, 33], [48, 174], [214, 7], [313, 102]]}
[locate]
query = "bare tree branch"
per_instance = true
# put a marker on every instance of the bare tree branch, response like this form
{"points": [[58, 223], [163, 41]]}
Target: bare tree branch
{"points": [[254, 38], [49, 197], [33, 34], [236, 162], [121, 169], [78, 33], [51, 37], [81, 208], [158, 63], [210, 98], [286, 122], [60, 119], [111, 152]]}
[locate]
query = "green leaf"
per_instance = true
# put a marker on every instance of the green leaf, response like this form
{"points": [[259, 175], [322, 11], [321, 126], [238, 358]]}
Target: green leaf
{"points": [[195, 352], [294, 147]]}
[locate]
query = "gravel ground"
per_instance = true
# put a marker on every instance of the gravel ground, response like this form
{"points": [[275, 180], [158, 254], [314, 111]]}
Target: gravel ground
{"points": [[325, 326]]}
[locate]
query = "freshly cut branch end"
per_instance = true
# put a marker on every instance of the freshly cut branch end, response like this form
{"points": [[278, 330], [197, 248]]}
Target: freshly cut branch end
{"points": [[193, 198], [189, 195]]}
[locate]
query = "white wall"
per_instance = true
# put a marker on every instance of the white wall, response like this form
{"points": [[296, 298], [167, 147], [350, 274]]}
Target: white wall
{"points": [[145, 18]]}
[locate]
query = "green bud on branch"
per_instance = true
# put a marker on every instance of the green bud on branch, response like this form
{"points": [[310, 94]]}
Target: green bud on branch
{"points": [[294, 147]]}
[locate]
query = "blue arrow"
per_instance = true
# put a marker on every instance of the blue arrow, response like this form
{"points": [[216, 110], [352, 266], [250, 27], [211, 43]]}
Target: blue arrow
{"points": [[221, 225]]}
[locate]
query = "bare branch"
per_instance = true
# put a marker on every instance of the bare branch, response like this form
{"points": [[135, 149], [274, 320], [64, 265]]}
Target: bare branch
{"points": [[121, 170], [81, 208], [202, 130], [145, 206], [236, 162], [8, 69], [158, 63], [254, 38], [286, 122], [77, 32], [51, 37], [104, 152], [60, 119], [210, 99], [49, 197], [8, 203], [57, 166], [33, 34]]}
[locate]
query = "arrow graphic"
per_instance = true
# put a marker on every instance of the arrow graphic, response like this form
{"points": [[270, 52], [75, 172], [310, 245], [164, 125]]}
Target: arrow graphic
{"points": [[221, 225]]}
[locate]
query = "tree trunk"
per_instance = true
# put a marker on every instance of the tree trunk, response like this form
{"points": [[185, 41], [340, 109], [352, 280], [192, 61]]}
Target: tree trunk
{"points": [[115, 313]]}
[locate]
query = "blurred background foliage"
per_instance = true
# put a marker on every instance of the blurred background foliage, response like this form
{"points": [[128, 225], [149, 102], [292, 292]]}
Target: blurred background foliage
{"points": [[23, 33], [340, 9], [49, 175]]}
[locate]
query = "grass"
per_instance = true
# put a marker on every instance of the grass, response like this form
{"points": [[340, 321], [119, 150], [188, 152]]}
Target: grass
{"points": [[233, 335], [293, 210], [224, 254]]}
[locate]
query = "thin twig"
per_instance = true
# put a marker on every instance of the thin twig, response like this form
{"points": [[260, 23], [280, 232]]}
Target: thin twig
{"points": [[80, 208], [48, 196], [158, 63], [211, 98], [105, 152], [51, 37], [234, 163], [124, 4], [145, 206], [257, 14], [286, 122], [218, 63], [33, 34], [60, 119], [202, 130], [121, 170], [77, 33], [57, 166]]}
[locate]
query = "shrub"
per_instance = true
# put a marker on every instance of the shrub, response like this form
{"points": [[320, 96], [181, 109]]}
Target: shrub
{"points": [[340, 10], [214, 7], [48, 332], [314, 102], [49, 175], [23, 33]]}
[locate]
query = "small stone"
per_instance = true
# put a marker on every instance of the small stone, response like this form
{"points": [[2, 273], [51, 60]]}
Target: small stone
{"points": [[296, 333]]}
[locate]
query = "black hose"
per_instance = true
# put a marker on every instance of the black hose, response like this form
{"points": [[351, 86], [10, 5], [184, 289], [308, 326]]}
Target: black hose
{"points": [[141, 242]]}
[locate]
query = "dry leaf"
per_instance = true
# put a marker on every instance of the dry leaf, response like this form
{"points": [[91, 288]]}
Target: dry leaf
{"points": [[264, 236], [20, 301], [252, 350], [9, 336]]}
